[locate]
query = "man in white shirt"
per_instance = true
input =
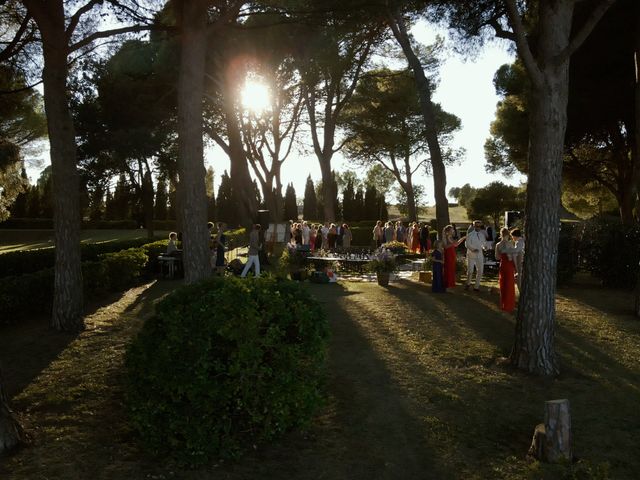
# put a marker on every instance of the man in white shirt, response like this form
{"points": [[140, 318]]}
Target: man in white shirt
{"points": [[254, 251], [475, 243]]}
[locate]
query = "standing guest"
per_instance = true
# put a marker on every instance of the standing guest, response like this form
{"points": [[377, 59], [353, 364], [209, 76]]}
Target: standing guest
{"points": [[401, 232], [424, 238], [378, 234], [415, 238], [221, 240], [306, 233], [339, 235], [489, 232], [450, 244], [297, 234], [254, 252], [518, 255], [312, 237], [505, 251], [389, 232], [332, 236], [437, 279], [325, 235], [476, 243], [318, 237], [347, 236]]}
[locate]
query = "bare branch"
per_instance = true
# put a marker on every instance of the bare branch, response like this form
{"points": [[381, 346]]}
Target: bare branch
{"points": [[108, 33], [12, 46], [75, 18]]}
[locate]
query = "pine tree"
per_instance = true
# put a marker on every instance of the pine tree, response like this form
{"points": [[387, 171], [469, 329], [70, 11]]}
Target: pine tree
{"points": [[310, 202], [383, 213], [337, 208], [162, 200], [290, 204]]}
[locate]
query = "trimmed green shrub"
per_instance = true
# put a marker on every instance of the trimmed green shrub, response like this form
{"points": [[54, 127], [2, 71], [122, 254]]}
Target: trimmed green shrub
{"points": [[123, 269], [362, 236], [30, 261], [32, 293], [226, 364]]}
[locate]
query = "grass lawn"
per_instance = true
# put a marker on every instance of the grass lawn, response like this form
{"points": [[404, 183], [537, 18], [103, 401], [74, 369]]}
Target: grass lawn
{"points": [[11, 240], [415, 391]]}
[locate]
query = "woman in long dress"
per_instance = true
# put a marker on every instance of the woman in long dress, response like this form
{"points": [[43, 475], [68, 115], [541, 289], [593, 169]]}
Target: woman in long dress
{"points": [[437, 278], [346, 237], [450, 244], [505, 252]]}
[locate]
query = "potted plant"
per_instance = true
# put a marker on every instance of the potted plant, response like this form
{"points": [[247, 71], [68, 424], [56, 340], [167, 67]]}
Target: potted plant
{"points": [[294, 262], [382, 263]]}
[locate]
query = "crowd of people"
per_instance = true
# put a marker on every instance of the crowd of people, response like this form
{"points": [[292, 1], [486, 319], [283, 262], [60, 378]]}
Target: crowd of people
{"points": [[509, 250]]}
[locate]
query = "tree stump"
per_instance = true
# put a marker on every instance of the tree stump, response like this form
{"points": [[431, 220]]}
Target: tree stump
{"points": [[552, 439]]}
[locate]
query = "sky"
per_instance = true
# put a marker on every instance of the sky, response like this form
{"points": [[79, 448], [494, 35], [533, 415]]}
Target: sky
{"points": [[465, 89]]}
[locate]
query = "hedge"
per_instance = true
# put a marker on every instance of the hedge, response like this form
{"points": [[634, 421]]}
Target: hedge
{"points": [[610, 251], [30, 261], [29, 294], [225, 365]]}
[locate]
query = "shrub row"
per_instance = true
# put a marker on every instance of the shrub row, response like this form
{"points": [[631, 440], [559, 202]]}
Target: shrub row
{"points": [[610, 251], [29, 294], [30, 261], [225, 365]]}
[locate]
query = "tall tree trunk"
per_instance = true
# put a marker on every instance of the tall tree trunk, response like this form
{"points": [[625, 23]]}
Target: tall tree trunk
{"points": [[533, 348], [192, 191], [11, 433], [68, 290], [636, 146], [412, 209], [398, 27]]}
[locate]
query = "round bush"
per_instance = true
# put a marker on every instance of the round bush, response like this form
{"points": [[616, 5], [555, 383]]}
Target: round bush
{"points": [[224, 365]]}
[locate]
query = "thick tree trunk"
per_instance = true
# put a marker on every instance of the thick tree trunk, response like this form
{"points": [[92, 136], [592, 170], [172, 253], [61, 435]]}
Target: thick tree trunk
{"points": [[11, 433], [533, 349], [192, 190], [636, 147], [428, 112], [68, 290]]}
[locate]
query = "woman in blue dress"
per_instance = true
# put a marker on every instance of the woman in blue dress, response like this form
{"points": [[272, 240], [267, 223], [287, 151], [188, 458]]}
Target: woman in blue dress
{"points": [[437, 281]]}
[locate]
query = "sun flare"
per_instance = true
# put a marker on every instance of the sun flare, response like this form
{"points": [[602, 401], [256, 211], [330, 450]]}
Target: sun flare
{"points": [[255, 96]]}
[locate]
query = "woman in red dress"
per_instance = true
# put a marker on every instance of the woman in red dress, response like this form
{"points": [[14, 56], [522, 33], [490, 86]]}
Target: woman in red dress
{"points": [[505, 251], [450, 245]]}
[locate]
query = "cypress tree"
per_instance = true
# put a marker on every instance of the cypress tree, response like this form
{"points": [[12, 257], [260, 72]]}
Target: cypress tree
{"points": [[290, 204], [19, 207], [358, 205], [348, 202], [96, 203], [224, 202], [310, 202], [161, 201]]}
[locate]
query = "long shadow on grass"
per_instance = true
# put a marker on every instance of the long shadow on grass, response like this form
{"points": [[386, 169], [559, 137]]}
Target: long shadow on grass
{"points": [[29, 346], [599, 386]]}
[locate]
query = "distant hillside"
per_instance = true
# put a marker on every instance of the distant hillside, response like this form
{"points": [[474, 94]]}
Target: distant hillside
{"points": [[457, 214]]}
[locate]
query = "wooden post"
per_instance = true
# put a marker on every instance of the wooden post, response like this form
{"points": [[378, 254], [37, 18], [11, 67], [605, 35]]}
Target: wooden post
{"points": [[552, 439]]}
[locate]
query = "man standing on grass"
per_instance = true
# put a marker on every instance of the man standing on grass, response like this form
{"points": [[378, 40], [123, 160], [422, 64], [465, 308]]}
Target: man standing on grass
{"points": [[475, 243], [254, 251]]}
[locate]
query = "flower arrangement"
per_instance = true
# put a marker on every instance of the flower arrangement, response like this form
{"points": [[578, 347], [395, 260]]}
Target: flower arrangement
{"points": [[395, 247], [382, 261]]}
